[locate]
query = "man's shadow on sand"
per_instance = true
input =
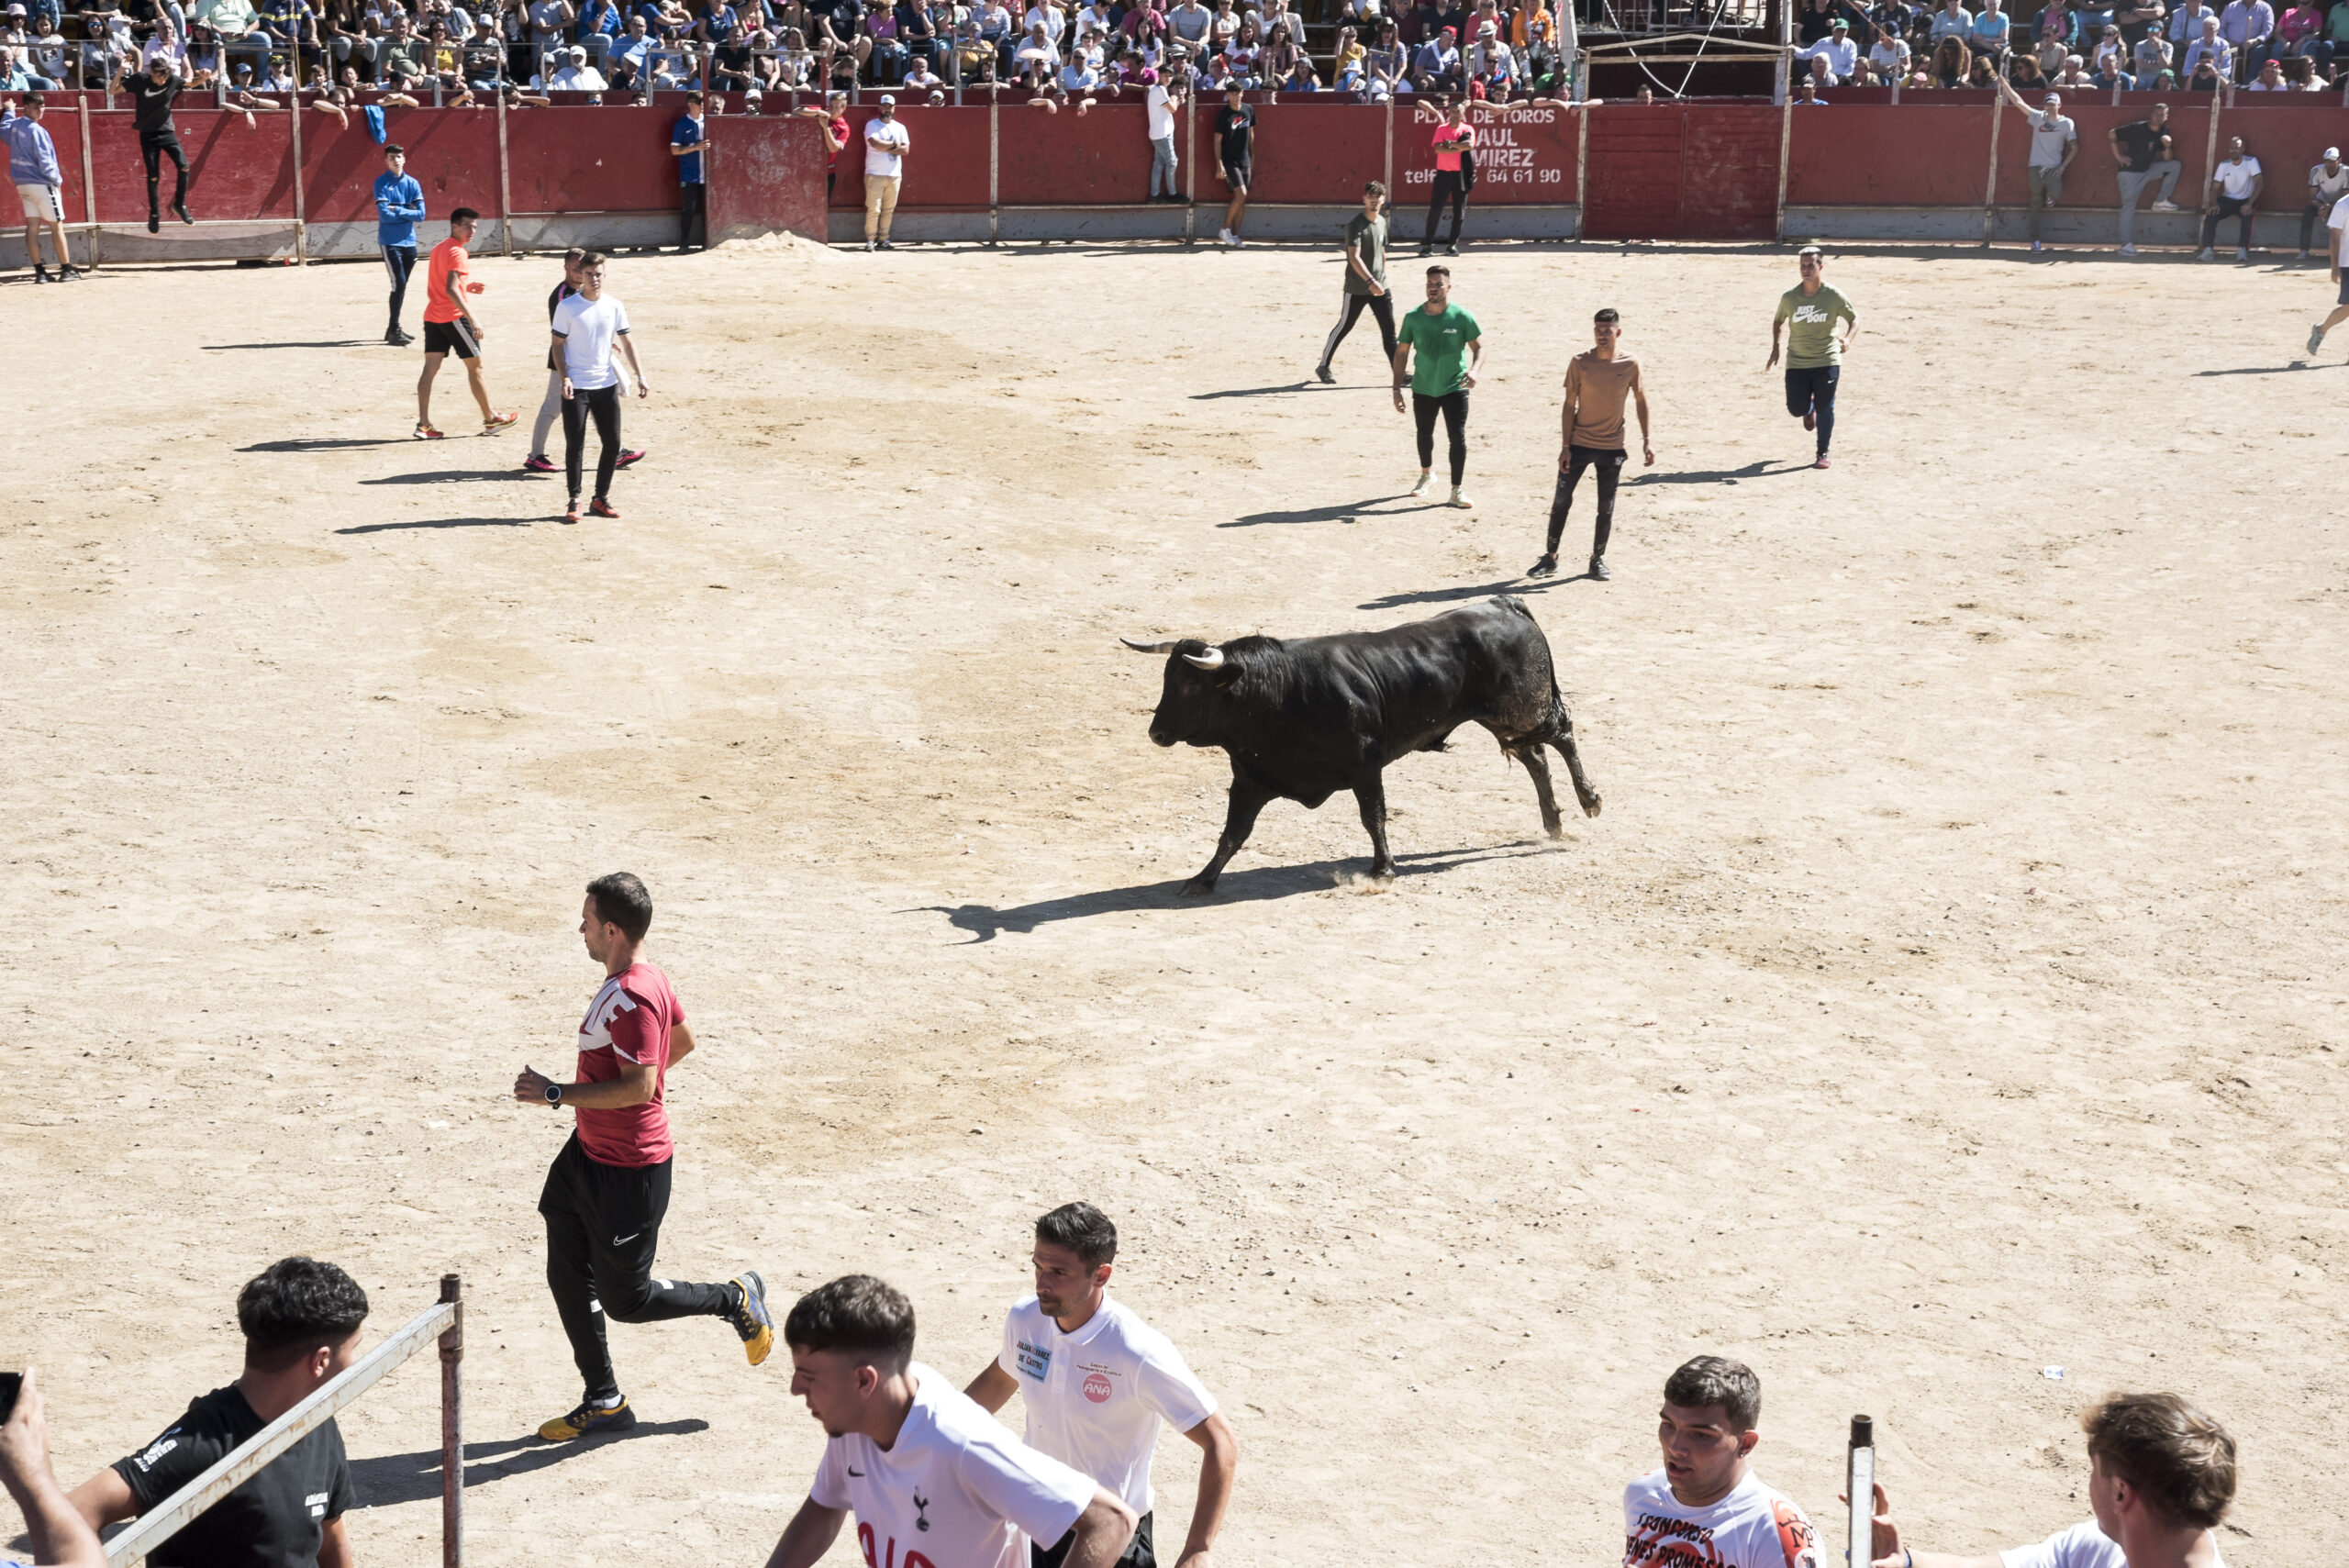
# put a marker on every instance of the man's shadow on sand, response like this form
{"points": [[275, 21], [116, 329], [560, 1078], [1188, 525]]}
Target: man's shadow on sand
{"points": [[986, 922], [396, 1478]]}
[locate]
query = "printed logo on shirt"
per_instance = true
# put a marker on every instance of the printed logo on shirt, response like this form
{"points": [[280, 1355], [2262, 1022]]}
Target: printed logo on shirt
{"points": [[317, 1502], [162, 1446], [1662, 1542], [1034, 1360], [890, 1559], [1796, 1538], [1097, 1386], [1812, 313], [921, 1503]]}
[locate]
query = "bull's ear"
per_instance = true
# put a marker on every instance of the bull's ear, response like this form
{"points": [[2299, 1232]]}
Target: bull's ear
{"points": [[1166, 647], [1211, 660]]}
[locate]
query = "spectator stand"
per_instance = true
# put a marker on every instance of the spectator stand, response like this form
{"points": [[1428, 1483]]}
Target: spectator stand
{"points": [[443, 1324]]}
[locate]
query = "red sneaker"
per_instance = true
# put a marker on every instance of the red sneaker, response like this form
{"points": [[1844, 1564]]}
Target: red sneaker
{"points": [[538, 462], [627, 458], [571, 513], [497, 422], [426, 433], [601, 508], [1824, 461]]}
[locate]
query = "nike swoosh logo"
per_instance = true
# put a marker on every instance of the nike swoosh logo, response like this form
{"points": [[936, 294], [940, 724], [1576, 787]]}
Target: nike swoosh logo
{"points": [[852, 1470], [624, 1241]]}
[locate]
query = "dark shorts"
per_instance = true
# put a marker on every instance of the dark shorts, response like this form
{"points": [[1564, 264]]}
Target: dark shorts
{"points": [[1236, 176], [451, 338], [2345, 285], [1140, 1551]]}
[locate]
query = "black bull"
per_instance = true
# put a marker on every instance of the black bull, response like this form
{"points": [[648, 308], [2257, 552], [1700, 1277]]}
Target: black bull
{"points": [[1302, 720]]}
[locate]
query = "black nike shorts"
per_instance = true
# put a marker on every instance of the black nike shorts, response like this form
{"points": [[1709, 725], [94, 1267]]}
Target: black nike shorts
{"points": [[451, 338]]}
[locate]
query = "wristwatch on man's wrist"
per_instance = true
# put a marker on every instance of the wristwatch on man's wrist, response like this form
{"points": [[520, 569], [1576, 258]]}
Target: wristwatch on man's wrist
{"points": [[555, 1093]]}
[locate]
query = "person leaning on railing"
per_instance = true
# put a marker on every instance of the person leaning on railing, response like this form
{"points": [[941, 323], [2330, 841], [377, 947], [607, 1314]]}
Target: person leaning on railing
{"points": [[301, 1321], [59, 1536]]}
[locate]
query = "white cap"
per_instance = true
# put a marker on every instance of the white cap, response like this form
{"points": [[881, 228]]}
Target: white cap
{"points": [[889, 97], [2332, 154]]}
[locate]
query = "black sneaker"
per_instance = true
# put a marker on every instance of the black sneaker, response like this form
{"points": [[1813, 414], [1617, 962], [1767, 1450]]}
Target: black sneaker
{"points": [[179, 210], [69, 274], [1599, 570], [41, 275], [1452, 250], [588, 1419], [154, 221], [1323, 371], [1544, 567]]}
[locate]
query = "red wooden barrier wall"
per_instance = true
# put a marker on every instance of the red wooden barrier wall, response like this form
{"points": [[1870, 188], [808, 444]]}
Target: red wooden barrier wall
{"points": [[1683, 171], [588, 160], [233, 172], [946, 158], [1890, 155], [773, 174], [1041, 157], [1527, 158], [451, 153]]}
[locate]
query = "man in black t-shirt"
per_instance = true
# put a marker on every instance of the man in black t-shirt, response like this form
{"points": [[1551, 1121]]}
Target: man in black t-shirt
{"points": [[301, 1321], [2144, 149], [1235, 147], [151, 113]]}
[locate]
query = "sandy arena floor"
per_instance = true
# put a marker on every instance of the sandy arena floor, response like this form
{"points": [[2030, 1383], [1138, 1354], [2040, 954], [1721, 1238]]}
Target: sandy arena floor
{"points": [[1951, 991]]}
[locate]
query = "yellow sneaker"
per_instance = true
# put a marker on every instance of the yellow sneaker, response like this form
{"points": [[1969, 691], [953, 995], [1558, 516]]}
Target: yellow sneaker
{"points": [[750, 1317], [589, 1419]]}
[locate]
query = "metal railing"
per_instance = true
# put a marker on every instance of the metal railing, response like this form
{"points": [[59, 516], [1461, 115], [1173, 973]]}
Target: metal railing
{"points": [[444, 1322]]}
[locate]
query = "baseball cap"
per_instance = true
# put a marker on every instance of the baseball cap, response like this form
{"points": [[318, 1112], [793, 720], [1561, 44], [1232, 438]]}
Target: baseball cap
{"points": [[889, 97], [577, 52], [2334, 154], [1840, 25]]}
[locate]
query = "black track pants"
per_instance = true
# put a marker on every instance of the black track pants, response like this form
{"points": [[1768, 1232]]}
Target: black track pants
{"points": [[1453, 406], [603, 1227], [399, 261], [152, 154], [1449, 185], [603, 403], [1381, 307]]}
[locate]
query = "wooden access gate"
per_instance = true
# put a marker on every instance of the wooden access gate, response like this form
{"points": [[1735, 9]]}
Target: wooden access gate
{"points": [[1682, 171]]}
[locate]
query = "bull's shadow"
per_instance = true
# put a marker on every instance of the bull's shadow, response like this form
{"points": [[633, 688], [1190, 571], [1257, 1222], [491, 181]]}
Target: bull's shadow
{"points": [[1255, 884]]}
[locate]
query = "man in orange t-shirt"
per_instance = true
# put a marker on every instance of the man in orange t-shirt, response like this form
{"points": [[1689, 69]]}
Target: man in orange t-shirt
{"points": [[448, 328]]}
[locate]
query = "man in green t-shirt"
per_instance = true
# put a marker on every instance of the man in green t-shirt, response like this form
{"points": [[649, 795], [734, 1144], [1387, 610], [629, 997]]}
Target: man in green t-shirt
{"points": [[1806, 317], [1365, 278], [1451, 353]]}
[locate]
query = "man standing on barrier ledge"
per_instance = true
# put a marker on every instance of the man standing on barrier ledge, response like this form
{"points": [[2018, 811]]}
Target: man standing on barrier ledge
{"points": [[1451, 351], [1705, 1505], [1097, 1383], [2054, 142], [688, 140], [931, 1476], [301, 1321], [151, 106], [2144, 150], [399, 204], [886, 144], [1807, 316], [608, 1188]]}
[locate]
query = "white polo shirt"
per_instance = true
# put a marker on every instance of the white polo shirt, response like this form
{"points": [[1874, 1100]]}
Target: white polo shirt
{"points": [[891, 163], [1095, 1397], [955, 1490]]}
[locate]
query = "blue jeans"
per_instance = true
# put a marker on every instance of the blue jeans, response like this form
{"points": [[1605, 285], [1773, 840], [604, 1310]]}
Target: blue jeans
{"points": [[1812, 391]]}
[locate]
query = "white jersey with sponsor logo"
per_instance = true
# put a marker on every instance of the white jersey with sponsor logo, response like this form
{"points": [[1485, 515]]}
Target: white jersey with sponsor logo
{"points": [[2082, 1545], [1754, 1526], [1095, 1397], [956, 1490]]}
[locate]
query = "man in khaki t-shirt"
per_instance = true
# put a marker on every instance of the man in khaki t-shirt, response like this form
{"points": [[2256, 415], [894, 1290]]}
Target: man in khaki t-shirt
{"points": [[1598, 383]]}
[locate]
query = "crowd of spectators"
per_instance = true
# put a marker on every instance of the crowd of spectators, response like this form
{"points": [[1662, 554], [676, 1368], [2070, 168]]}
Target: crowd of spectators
{"points": [[468, 50], [2077, 45]]}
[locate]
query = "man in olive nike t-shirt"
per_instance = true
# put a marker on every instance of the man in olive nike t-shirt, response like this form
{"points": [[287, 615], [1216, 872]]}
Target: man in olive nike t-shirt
{"points": [[1807, 317]]}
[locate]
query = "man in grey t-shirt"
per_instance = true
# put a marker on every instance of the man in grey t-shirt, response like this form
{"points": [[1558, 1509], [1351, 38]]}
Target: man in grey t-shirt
{"points": [[2054, 142]]}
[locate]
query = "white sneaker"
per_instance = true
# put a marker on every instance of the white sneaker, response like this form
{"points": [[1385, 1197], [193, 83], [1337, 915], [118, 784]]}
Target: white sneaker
{"points": [[1236, 241], [1459, 499], [2128, 251], [1223, 236], [2241, 254], [1421, 488], [2167, 206], [2206, 256]]}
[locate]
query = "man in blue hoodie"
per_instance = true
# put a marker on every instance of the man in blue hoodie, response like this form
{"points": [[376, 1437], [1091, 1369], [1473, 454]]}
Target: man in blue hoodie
{"points": [[399, 203], [32, 168]]}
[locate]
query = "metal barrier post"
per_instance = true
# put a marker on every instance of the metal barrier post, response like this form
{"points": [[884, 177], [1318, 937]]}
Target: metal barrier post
{"points": [[1191, 162], [453, 1428], [2210, 170], [505, 182], [1991, 187], [1785, 139], [1582, 168], [301, 209], [89, 185], [995, 165]]}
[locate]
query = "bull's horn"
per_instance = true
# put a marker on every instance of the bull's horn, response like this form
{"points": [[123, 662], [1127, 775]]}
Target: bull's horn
{"points": [[1211, 660], [1167, 647]]}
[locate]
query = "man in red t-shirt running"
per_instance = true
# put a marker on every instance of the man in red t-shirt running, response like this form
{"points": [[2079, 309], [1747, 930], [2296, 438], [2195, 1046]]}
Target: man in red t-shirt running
{"points": [[607, 1190], [448, 328]]}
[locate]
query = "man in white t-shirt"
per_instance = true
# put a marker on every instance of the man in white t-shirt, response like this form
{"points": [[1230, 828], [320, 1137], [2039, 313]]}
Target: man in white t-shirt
{"points": [[1705, 1505], [1163, 97], [589, 327], [2233, 192], [933, 1480], [2337, 245], [2161, 1474], [2328, 182], [2054, 142], [884, 164], [1097, 1382]]}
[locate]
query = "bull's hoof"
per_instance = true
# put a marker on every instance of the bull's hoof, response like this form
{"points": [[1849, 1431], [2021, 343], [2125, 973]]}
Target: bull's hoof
{"points": [[1591, 807], [1383, 870], [1555, 828], [1198, 887]]}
